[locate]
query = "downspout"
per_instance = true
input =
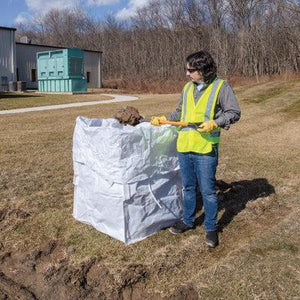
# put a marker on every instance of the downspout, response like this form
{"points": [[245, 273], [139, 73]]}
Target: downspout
{"points": [[100, 70], [13, 55]]}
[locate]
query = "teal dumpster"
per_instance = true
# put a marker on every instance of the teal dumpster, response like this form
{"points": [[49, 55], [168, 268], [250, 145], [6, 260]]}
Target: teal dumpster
{"points": [[61, 71]]}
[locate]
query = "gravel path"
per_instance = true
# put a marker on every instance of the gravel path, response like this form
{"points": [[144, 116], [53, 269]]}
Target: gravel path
{"points": [[117, 98]]}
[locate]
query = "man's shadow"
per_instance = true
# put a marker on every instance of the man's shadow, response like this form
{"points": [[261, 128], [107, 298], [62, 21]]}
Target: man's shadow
{"points": [[234, 196]]}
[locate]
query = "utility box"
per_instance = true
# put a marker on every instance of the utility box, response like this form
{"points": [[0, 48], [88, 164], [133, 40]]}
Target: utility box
{"points": [[61, 71], [21, 86], [4, 84], [12, 85]]}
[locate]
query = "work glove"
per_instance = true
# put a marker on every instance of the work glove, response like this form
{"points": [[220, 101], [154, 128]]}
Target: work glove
{"points": [[207, 126], [155, 120]]}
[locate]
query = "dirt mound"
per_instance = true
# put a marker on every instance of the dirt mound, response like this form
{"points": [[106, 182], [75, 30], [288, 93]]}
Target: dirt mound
{"points": [[128, 116], [49, 273]]}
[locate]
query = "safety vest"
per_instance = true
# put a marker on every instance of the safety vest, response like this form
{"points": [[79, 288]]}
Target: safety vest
{"points": [[189, 139]]}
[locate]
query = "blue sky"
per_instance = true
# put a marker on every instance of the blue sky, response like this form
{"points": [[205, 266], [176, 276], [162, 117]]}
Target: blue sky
{"points": [[14, 11]]}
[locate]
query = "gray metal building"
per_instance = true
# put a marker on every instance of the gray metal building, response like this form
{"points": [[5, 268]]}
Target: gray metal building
{"points": [[7, 56], [27, 65], [18, 62]]}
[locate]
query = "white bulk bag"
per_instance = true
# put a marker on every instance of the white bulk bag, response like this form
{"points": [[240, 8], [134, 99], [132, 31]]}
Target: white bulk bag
{"points": [[126, 178]]}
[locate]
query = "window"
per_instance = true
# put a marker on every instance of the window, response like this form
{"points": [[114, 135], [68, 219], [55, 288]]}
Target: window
{"points": [[88, 77], [33, 75]]}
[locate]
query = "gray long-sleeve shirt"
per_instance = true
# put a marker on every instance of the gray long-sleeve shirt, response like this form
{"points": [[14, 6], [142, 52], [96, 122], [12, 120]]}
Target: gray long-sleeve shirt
{"points": [[227, 110]]}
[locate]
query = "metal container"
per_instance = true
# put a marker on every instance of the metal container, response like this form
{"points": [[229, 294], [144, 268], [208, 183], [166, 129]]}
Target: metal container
{"points": [[62, 85], [12, 86], [21, 86], [61, 71]]}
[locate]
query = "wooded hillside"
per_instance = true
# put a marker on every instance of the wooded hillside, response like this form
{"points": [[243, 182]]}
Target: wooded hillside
{"points": [[246, 37]]}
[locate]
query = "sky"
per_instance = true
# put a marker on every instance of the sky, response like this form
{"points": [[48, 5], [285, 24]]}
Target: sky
{"points": [[21, 11]]}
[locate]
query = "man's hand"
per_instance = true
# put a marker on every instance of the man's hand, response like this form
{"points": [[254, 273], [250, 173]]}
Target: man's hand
{"points": [[207, 126], [155, 120]]}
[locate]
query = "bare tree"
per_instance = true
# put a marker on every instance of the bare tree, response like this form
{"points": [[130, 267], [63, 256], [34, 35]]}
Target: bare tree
{"points": [[246, 37]]}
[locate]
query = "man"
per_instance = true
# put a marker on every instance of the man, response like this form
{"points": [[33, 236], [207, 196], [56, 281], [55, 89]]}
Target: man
{"points": [[210, 100]]}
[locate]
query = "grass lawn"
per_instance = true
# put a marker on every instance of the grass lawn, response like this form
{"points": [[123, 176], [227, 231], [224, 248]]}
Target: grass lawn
{"points": [[258, 256], [11, 100]]}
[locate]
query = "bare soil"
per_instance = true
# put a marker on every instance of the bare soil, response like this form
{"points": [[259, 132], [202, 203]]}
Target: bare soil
{"points": [[128, 116], [48, 273]]}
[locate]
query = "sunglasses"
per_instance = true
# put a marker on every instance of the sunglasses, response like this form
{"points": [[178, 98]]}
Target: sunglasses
{"points": [[191, 70]]}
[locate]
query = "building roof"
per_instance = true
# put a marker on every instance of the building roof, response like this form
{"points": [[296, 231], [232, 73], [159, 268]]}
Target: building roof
{"points": [[48, 46], [8, 28]]}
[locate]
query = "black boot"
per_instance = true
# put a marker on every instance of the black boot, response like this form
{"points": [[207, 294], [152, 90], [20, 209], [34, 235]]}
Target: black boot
{"points": [[179, 227], [212, 239]]}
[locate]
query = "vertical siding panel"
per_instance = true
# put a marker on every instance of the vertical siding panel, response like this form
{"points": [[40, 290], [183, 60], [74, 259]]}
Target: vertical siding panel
{"points": [[7, 54]]}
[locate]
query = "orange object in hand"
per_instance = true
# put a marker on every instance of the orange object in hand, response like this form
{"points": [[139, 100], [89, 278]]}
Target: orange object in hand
{"points": [[182, 124]]}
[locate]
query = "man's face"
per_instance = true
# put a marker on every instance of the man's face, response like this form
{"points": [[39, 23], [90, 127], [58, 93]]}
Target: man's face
{"points": [[194, 74]]}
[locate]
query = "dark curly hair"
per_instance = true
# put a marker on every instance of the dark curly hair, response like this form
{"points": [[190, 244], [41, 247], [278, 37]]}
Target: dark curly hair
{"points": [[203, 62]]}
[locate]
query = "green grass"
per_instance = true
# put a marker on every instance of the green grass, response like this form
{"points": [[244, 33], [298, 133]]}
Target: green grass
{"points": [[293, 110], [262, 92], [260, 154], [21, 100], [268, 268], [278, 245]]}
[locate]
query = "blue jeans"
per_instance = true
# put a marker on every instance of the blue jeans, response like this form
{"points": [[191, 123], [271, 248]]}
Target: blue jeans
{"points": [[201, 167]]}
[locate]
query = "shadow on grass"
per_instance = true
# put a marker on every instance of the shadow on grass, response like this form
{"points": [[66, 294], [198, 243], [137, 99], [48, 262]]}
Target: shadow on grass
{"points": [[13, 96], [235, 199]]}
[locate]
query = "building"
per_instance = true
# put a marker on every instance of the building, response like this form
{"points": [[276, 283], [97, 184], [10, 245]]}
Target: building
{"points": [[27, 64], [18, 61], [7, 56]]}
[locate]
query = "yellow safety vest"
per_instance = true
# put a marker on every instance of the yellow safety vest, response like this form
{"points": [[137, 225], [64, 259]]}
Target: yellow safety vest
{"points": [[189, 139]]}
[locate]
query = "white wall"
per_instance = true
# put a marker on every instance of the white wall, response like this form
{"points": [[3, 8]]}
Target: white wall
{"points": [[92, 64]]}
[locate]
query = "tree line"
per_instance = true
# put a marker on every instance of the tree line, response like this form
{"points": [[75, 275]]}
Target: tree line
{"points": [[246, 37]]}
